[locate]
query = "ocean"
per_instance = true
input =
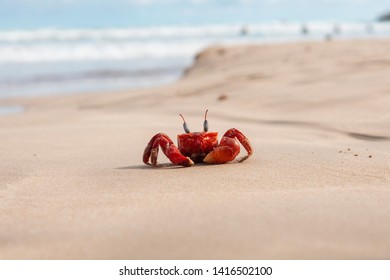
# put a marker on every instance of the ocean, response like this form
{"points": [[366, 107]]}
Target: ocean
{"points": [[51, 61]]}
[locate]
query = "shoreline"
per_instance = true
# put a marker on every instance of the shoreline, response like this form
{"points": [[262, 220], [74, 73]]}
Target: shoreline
{"points": [[69, 59], [161, 70], [73, 184]]}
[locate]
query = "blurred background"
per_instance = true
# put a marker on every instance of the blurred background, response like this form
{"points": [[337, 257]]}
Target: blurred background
{"points": [[73, 46]]}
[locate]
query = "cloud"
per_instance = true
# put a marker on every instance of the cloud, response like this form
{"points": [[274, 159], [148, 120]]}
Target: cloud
{"points": [[241, 2], [199, 1], [150, 2], [164, 2]]}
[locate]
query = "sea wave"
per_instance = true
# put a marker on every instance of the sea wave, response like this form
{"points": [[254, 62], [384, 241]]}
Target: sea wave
{"points": [[52, 61], [97, 51], [175, 32], [56, 45], [115, 33]]}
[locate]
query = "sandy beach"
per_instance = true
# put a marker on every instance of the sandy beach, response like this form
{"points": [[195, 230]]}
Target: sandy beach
{"points": [[73, 184]]}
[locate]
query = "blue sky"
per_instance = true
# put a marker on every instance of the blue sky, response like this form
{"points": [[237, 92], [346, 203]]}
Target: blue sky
{"points": [[119, 13]]}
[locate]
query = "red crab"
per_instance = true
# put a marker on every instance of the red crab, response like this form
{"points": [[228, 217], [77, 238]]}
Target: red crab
{"points": [[195, 147]]}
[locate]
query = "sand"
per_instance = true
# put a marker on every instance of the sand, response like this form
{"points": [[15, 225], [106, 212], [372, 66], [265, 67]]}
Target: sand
{"points": [[73, 185]]}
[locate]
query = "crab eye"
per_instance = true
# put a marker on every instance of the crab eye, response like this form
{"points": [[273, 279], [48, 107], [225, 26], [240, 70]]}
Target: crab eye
{"points": [[205, 123], [184, 124]]}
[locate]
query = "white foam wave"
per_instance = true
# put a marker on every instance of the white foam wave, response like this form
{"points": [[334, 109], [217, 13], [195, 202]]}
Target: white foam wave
{"points": [[101, 51], [270, 28], [50, 45], [117, 33]]}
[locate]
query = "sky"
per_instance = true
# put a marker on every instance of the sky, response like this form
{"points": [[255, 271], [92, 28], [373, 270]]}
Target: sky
{"points": [[18, 14]]}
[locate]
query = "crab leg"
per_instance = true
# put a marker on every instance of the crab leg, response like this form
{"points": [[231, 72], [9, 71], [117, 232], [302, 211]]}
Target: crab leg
{"points": [[229, 148], [168, 148]]}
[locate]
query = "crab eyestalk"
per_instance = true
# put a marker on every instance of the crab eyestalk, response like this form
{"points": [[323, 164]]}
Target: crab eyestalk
{"points": [[184, 124], [205, 123]]}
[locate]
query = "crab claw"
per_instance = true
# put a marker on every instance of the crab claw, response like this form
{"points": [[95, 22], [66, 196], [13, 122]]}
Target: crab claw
{"points": [[168, 148], [229, 148]]}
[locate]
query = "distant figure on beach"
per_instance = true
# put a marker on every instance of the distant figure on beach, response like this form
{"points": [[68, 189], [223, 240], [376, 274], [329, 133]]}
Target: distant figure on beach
{"points": [[304, 29], [369, 28], [328, 37], [244, 30], [336, 29]]}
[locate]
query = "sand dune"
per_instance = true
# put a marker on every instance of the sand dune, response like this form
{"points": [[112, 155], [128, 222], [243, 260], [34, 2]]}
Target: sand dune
{"points": [[73, 185]]}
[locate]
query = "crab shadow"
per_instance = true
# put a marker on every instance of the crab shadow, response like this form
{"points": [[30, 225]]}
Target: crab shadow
{"points": [[170, 166], [165, 166]]}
